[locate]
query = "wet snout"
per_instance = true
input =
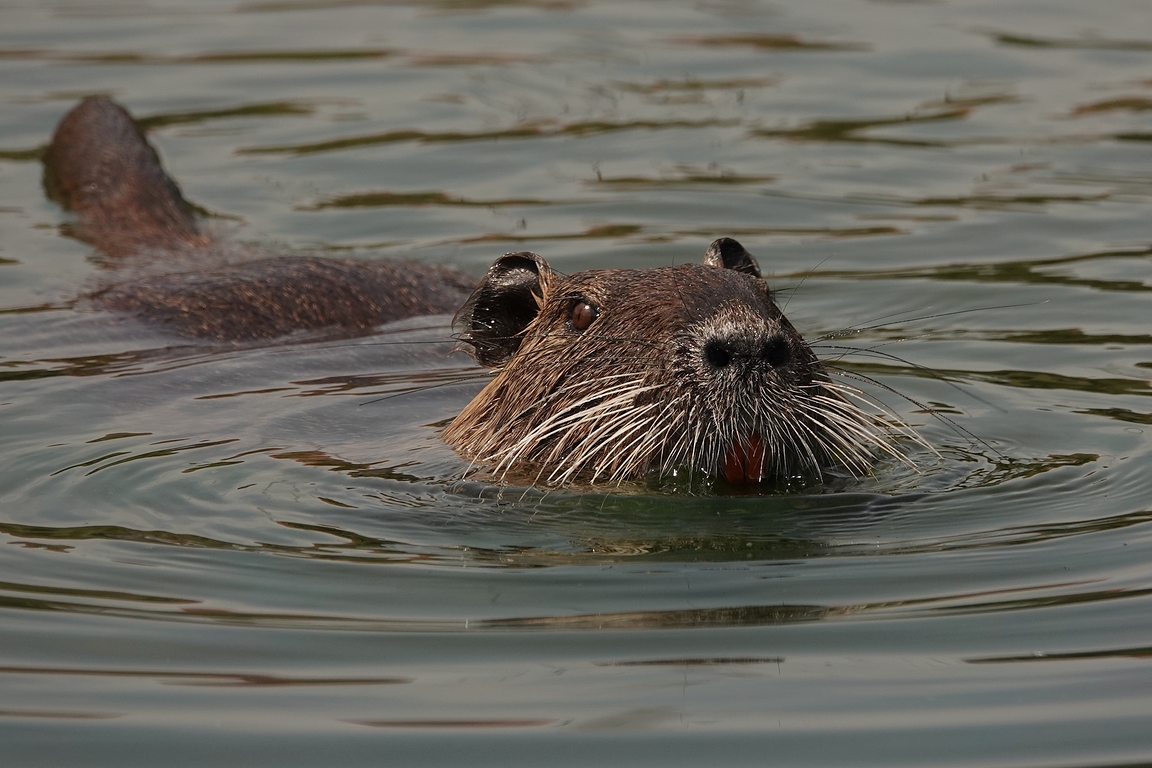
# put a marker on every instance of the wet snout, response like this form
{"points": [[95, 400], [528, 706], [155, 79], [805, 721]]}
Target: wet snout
{"points": [[746, 355], [737, 339]]}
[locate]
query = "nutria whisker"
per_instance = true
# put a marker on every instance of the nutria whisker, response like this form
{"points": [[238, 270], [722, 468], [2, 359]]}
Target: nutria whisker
{"points": [[620, 432], [546, 403], [874, 325], [461, 379], [873, 352], [794, 289], [905, 429], [847, 420], [590, 410], [933, 373]]}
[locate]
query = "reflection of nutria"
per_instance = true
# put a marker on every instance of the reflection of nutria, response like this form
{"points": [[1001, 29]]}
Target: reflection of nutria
{"points": [[601, 376]]}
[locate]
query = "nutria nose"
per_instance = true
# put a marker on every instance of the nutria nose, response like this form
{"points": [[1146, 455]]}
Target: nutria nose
{"points": [[748, 352]]}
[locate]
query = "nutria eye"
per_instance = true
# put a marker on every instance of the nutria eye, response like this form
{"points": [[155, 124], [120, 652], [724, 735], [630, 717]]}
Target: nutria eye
{"points": [[583, 313], [717, 354]]}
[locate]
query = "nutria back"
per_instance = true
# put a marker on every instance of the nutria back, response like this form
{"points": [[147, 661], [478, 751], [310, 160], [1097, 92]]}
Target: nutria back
{"points": [[101, 167], [276, 296]]}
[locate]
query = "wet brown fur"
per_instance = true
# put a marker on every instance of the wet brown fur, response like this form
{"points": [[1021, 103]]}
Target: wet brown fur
{"points": [[101, 167], [275, 296]]}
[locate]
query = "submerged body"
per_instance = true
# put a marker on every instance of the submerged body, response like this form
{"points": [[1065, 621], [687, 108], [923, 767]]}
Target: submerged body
{"points": [[601, 376], [101, 167]]}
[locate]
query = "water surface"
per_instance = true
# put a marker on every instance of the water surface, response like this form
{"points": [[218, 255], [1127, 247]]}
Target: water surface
{"points": [[264, 555]]}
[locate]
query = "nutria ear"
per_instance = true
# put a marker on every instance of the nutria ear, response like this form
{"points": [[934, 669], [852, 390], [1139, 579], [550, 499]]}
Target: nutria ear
{"points": [[502, 306], [729, 254]]}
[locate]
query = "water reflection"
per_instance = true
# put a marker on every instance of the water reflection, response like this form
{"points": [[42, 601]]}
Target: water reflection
{"points": [[1128, 104], [97, 365], [661, 86], [1118, 653], [1022, 272], [684, 177], [533, 619], [215, 679], [734, 616], [256, 110], [768, 42], [1119, 414], [853, 130], [462, 6], [385, 199], [1073, 43], [532, 130], [529, 722], [60, 714], [221, 57]]}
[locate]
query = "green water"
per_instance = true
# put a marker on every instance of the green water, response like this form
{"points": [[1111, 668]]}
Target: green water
{"points": [[258, 556]]}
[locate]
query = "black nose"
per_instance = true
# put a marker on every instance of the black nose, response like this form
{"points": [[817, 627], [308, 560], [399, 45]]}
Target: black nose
{"points": [[749, 352]]}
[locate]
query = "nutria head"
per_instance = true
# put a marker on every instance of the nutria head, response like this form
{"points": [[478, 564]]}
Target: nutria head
{"points": [[613, 375]]}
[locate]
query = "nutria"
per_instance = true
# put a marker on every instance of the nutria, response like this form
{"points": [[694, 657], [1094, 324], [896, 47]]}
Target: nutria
{"points": [[600, 376]]}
